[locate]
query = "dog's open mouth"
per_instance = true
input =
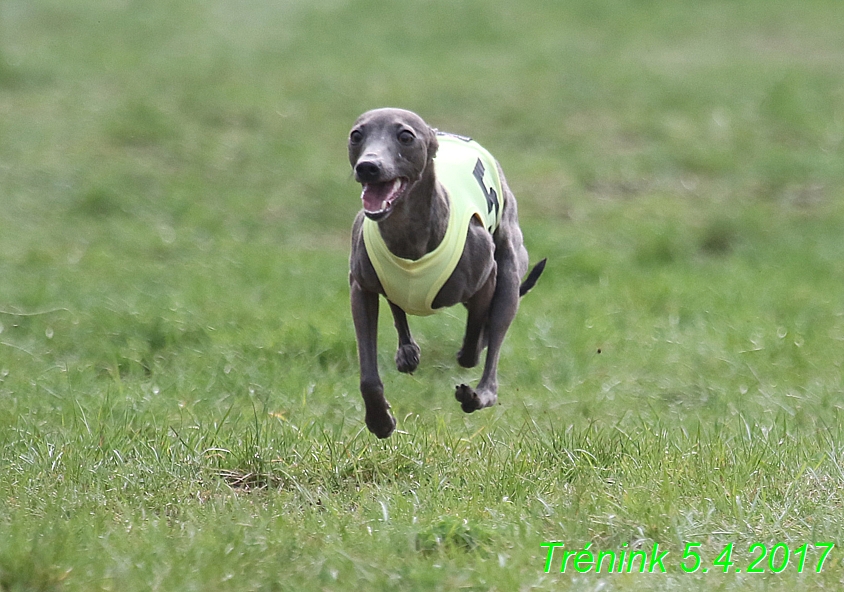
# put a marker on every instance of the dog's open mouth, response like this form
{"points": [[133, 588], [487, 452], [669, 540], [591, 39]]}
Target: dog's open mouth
{"points": [[378, 198]]}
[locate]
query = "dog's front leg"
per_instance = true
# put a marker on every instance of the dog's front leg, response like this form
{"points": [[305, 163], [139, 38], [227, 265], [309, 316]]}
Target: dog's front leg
{"points": [[379, 420], [407, 355]]}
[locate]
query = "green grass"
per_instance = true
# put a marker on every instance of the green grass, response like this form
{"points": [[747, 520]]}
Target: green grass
{"points": [[179, 406]]}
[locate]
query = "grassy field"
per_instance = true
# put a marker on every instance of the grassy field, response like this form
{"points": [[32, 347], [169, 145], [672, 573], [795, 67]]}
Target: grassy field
{"points": [[179, 406]]}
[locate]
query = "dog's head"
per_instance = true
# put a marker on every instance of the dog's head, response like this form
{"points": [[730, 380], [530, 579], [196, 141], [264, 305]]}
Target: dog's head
{"points": [[390, 150]]}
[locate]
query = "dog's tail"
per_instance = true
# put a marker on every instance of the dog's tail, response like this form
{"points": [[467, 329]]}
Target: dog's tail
{"points": [[534, 274]]}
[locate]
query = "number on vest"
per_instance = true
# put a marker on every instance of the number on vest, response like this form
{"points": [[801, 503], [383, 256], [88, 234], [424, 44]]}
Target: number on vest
{"points": [[489, 192]]}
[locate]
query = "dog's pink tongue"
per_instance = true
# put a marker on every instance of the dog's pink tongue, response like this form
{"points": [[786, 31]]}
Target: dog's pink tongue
{"points": [[376, 195]]}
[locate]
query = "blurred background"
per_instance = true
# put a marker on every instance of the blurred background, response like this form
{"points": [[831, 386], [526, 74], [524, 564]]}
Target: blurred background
{"points": [[173, 179]]}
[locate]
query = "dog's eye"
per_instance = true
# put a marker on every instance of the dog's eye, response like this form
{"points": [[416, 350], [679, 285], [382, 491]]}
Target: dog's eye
{"points": [[406, 137], [355, 137]]}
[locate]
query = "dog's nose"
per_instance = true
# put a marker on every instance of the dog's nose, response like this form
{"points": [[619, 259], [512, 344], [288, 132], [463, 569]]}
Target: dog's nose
{"points": [[368, 171]]}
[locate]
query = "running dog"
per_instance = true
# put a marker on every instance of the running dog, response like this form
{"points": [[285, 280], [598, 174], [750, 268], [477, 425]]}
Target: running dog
{"points": [[439, 226]]}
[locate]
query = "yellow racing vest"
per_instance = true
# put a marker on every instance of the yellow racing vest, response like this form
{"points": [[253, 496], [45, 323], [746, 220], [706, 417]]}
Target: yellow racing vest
{"points": [[473, 188]]}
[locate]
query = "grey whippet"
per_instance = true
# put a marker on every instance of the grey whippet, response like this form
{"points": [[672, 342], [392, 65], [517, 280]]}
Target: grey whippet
{"points": [[407, 211]]}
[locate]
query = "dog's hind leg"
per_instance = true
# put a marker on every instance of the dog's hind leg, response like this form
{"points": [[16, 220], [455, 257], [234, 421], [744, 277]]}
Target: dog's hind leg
{"points": [[502, 311], [407, 355], [476, 320]]}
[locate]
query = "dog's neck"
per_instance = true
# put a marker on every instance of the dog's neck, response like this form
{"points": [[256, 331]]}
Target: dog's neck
{"points": [[419, 221]]}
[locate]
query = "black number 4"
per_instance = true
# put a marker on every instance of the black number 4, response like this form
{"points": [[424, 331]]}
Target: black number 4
{"points": [[489, 192]]}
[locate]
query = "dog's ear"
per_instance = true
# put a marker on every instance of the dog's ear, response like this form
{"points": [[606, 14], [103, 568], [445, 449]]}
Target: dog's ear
{"points": [[433, 144]]}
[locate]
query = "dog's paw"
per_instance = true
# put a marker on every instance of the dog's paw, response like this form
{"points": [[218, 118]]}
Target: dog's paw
{"points": [[468, 359], [381, 424], [407, 358], [470, 400]]}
